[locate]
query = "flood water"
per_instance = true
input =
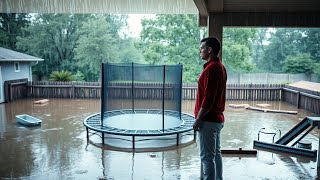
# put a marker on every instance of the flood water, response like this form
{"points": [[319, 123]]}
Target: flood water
{"points": [[59, 149]]}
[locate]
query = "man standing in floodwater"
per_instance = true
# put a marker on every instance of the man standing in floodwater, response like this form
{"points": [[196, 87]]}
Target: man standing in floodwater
{"points": [[209, 108]]}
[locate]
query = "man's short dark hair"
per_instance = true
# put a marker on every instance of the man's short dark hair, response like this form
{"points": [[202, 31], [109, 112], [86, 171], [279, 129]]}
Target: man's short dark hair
{"points": [[212, 42]]}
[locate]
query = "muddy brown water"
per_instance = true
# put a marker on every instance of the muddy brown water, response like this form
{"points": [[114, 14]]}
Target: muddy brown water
{"points": [[59, 149]]}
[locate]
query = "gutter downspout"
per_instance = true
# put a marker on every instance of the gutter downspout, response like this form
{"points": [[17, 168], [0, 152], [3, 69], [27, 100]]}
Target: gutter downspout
{"points": [[30, 69]]}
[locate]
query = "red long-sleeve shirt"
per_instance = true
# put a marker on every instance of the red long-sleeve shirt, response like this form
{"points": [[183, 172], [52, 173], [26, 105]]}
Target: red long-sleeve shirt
{"points": [[211, 94]]}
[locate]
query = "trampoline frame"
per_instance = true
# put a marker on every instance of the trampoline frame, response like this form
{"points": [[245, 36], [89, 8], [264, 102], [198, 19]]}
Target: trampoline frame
{"points": [[93, 122]]}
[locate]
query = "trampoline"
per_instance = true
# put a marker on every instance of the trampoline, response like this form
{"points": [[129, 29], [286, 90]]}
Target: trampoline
{"points": [[158, 117]]}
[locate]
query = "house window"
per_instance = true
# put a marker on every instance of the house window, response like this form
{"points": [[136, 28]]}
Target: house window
{"points": [[16, 67]]}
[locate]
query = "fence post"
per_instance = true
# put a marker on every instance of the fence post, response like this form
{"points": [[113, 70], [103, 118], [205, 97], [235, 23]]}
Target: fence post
{"points": [[72, 91], [10, 92], [250, 92], [280, 92], [298, 99]]}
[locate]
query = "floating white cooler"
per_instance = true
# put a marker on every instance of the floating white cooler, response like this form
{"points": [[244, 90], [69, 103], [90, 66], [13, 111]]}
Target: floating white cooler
{"points": [[28, 120]]}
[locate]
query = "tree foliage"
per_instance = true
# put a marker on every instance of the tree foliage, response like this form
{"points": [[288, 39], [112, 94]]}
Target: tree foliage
{"points": [[96, 45], [258, 48], [78, 43], [292, 50], [311, 43], [10, 27], [236, 49], [129, 51], [301, 63], [99, 42], [52, 37], [173, 39]]}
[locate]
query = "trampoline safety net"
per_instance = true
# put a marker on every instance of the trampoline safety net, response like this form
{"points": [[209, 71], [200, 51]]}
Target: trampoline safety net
{"points": [[131, 86]]}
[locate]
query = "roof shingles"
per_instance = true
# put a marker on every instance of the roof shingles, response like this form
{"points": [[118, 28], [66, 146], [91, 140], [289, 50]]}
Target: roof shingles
{"points": [[10, 55]]}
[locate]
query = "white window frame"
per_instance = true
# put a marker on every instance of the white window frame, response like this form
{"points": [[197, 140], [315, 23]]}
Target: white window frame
{"points": [[15, 66]]}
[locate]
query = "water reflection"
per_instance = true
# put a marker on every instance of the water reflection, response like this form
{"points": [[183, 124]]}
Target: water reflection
{"points": [[58, 149]]}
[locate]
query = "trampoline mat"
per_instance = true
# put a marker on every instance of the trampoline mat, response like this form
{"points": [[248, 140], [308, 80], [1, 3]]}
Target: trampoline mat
{"points": [[142, 121]]}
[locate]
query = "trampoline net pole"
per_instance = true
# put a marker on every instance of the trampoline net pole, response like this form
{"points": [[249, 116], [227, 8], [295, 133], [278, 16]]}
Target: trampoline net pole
{"points": [[180, 88], [132, 87], [103, 85], [163, 92]]}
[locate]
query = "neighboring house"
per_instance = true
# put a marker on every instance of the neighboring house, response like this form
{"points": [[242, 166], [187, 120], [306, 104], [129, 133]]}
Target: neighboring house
{"points": [[13, 66]]}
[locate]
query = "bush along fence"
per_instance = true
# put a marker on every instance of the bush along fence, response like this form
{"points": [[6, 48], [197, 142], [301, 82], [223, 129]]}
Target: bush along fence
{"points": [[304, 99]]}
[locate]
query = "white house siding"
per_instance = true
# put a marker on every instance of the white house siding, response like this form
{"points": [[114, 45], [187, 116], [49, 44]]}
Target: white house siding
{"points": [[8, 71]]}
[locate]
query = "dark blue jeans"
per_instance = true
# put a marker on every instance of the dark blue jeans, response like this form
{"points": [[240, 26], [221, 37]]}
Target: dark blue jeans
{"points": [[210, 153]]}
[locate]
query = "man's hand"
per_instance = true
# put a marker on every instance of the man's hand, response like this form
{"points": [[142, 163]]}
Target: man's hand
{"points": [[201, 115], [196, 125]]}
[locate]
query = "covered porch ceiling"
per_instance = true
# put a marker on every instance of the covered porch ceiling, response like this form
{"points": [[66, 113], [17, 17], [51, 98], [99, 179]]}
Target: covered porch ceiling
{"points": [[271, 13], [257, 6], [304, 13], [158, 6], [100, 6]]}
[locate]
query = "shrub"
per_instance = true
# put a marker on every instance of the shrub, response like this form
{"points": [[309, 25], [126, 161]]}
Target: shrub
{"points": [[61, 76]]}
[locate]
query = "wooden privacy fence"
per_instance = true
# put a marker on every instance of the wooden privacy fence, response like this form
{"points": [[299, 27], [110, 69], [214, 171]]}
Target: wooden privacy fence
{"points": [[302, 98], [46, 89], [52, 89], [308, 100], [265, 92], [15, 89]]}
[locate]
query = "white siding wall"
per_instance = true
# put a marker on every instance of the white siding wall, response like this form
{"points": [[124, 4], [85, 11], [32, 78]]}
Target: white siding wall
{"points": [[8, 71]]}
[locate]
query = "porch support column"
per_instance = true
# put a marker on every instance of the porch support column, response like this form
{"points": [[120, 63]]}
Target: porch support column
{"points": [[216, 27]]}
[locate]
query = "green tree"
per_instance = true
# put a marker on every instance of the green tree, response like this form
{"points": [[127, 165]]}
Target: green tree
{"points": [[258, 48], [11, 25], [237, 45], [173, 39], [236, 57], [300, 63], [317, 70], [78, 76], [96, 45], [310, 41], [53, 38], [117, 22], [127, 46], [283, 42], [129, 53]]}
